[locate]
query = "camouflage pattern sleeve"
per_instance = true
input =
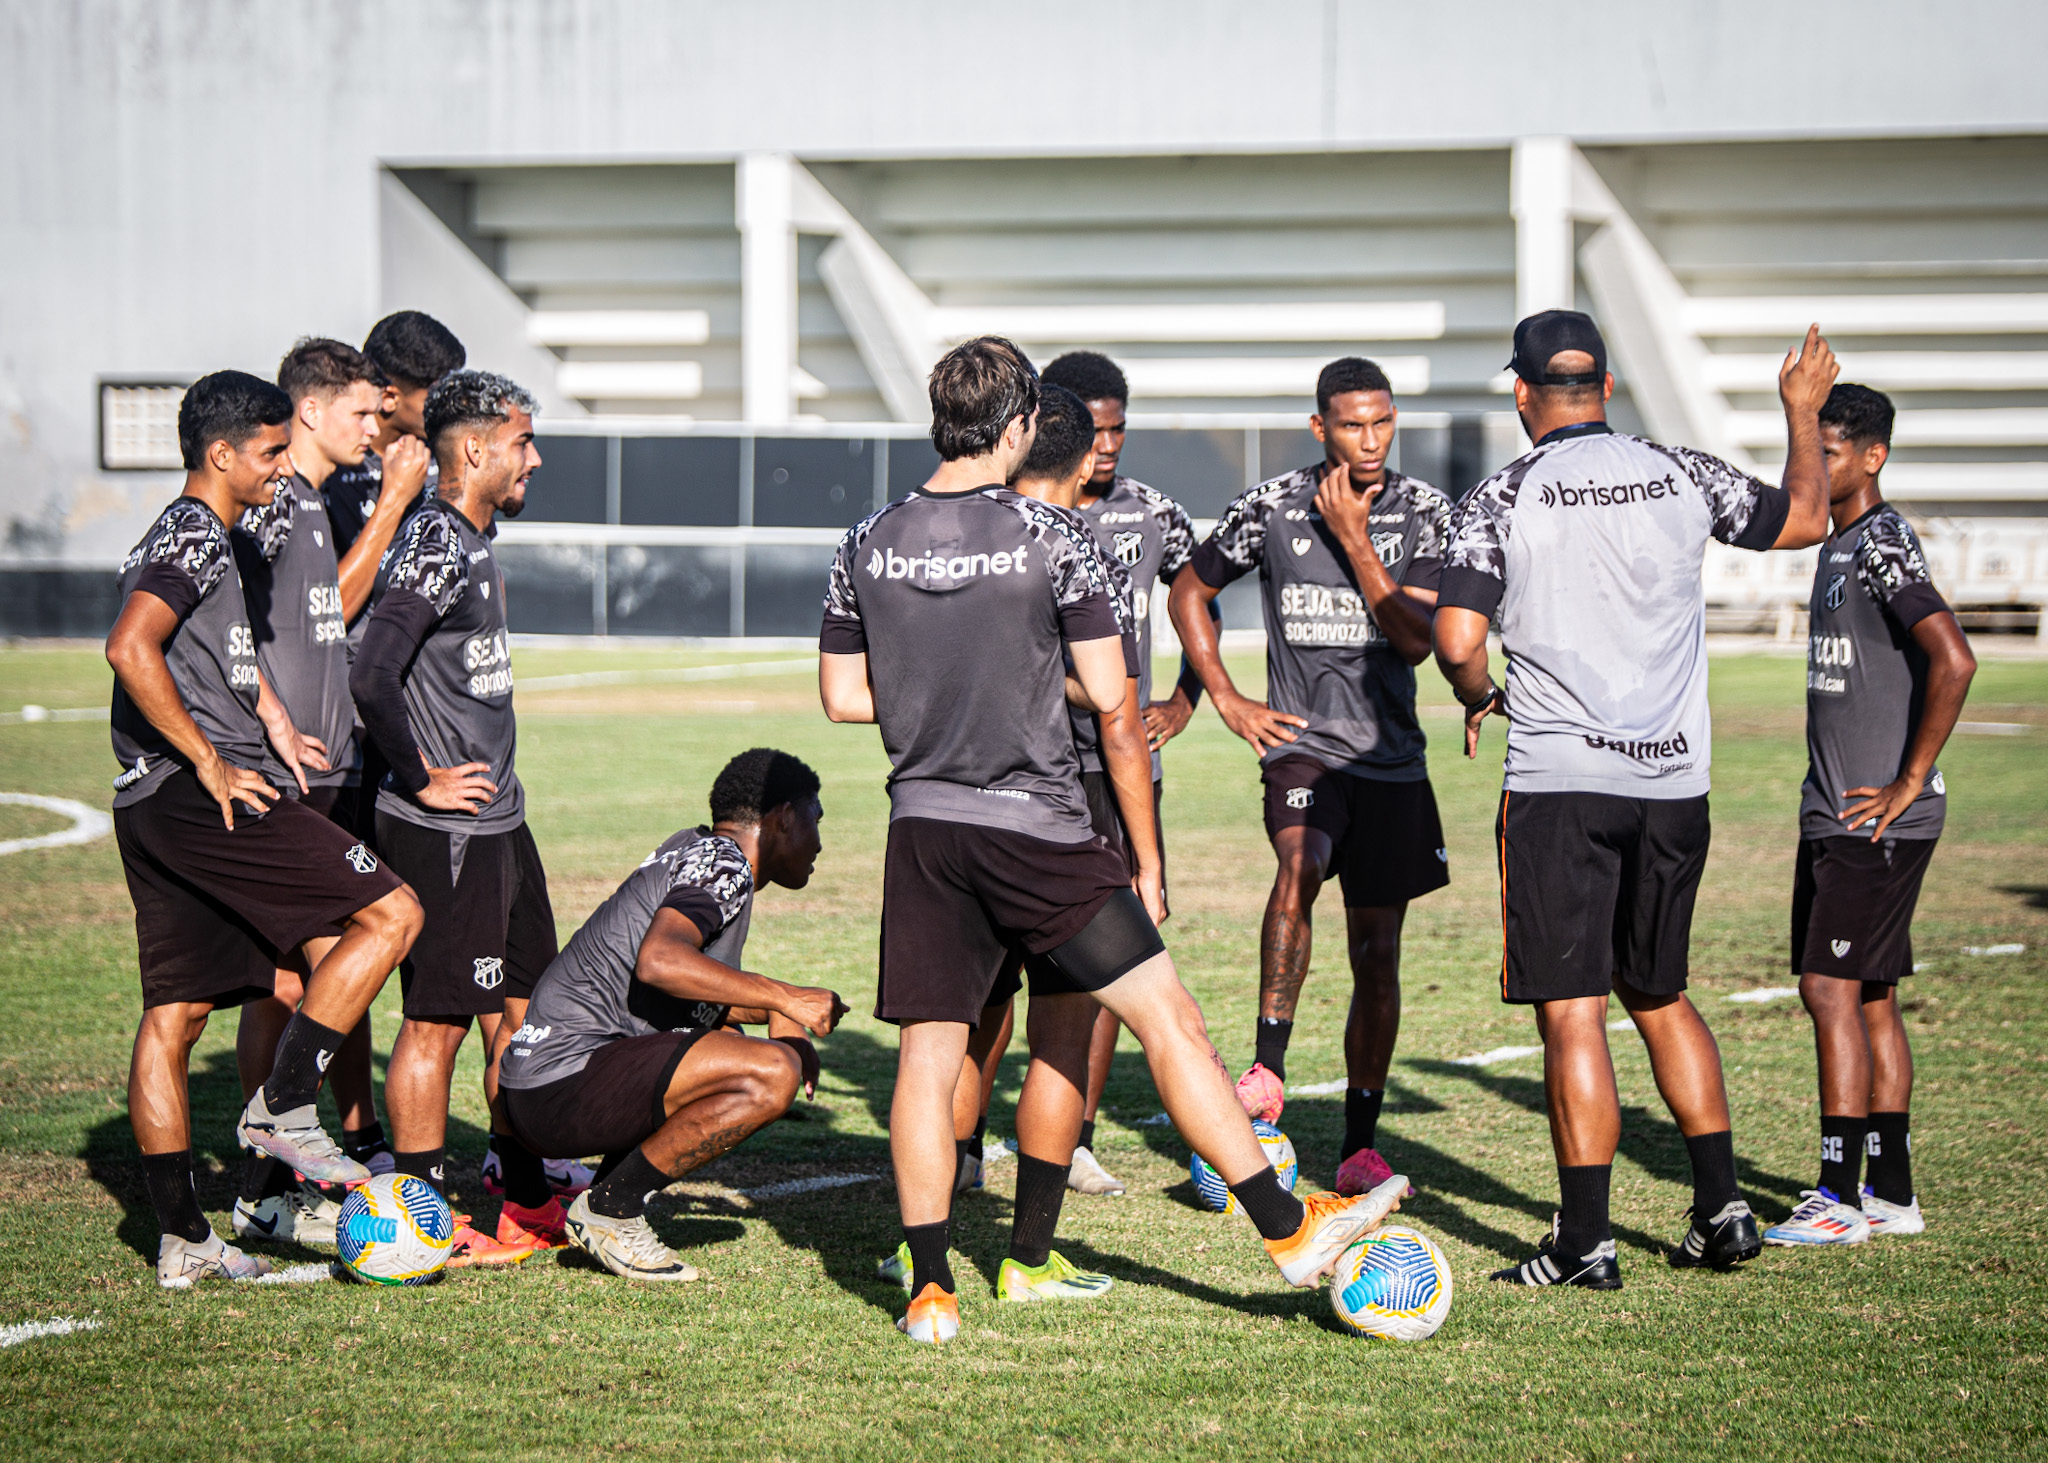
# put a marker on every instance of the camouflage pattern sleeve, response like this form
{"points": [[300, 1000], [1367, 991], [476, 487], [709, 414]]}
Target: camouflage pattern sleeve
{"points": [[269, 525], [182, 557], [1740, 507], [712, 869], [1234, 548], [1893, 571], [1093, 603], [1475, 555], [428, 561], [842, 633], [1176, 534]]}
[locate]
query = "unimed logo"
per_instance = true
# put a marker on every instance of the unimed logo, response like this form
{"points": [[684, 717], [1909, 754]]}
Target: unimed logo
{"points": [[1607, 495], [1672, 746]]}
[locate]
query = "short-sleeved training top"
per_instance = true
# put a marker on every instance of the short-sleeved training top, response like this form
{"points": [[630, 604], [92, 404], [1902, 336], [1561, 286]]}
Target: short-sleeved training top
{"points": [[963, 603], [1152, 538], [1590, 546], [1866, 676], [589, 996], [291, 578], [185, 561], [351, 495], [458, 692], [1326, 658]]}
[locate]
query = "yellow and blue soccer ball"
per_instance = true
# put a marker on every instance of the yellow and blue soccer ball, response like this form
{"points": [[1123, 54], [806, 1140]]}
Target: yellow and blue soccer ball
{"points": [[394, 1230], [1394, 1284], [1215, 1194]]}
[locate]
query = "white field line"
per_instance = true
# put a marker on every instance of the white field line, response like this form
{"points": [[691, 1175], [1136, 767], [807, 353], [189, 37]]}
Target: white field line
{"points": [[62, 713], [790, 1187], [32, 1330], [688, 673], [1768, 993], [1626, 1023], [1319, 1089], [1498, 1054], [1993, 728], [311, 1273], [86, 823], [1994, 949]]}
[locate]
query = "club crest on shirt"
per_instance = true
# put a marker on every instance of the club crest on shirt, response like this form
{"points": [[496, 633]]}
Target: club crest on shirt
{"points": [[1389, 547], [1130, 547], [1840, 947], [1837, 587], [490, 972]]}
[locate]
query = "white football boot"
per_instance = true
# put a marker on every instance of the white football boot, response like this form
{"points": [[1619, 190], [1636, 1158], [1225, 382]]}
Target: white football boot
{"points": [[1086, 1176], [180, 1262], [1885, 1217], [301, 1215], [1820, 1220]]}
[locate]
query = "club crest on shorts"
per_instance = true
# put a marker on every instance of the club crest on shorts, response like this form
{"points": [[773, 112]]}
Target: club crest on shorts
{"points": [[1130, 547], [361, 859], [490, 972], [1300, 797], [1837, 587], [1840, 947]]}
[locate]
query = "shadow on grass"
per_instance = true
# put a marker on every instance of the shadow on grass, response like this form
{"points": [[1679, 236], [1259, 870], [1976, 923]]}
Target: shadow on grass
{"points": [[2034, 896]]}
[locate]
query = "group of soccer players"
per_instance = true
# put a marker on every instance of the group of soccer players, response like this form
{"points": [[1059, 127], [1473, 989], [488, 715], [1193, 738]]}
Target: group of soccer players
{"points": [[314, 715]]}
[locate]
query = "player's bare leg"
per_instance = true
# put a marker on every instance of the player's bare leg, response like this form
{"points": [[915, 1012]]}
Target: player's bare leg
{"points": [[1087, 1175], [1371, 1028], [1286, 940]]}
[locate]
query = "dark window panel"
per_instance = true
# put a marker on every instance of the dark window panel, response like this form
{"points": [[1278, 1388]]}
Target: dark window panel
{"points": [[1202, 471], [786, 588], [1283, 449], [547, 587], [82, 602], [680, 480], [912, 461], [568, 486], [670, 591], [812, 482]]}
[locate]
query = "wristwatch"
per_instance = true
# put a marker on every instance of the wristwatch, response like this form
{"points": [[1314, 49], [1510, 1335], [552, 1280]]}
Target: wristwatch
{"points": [[1490, 696]]}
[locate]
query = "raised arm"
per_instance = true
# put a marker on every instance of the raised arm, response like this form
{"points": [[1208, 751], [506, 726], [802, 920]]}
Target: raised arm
{"points": [[1804, 381], [1402, 614], [405, 473]]}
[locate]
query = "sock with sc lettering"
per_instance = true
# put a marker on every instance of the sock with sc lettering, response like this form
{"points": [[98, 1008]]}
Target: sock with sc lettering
{"points": [[1272, 1038], [1890, 1147], [1361, 1119], [172, 1194], [1582, 1220], [1087, 1135], [430, 1164], [303, 1053], [627, 1188], [1275, 1212], [1841, 1157]]}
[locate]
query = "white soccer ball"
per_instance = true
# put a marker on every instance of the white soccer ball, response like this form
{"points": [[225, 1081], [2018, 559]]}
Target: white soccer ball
{"points": [[394, 1230], [1394, 1284], [1215, 1194]]}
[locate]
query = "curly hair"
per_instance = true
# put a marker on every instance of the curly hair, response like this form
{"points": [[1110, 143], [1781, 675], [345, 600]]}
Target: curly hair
{"points": [[1090, 375], [463, 399], [757, 782]]}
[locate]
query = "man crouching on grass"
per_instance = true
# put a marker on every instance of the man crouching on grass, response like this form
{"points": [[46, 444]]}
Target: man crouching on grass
{"points": [[630, 1047]]}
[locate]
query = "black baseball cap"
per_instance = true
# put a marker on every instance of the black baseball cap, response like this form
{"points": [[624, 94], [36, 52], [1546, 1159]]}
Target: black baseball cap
{"points": [[1544, 335]]}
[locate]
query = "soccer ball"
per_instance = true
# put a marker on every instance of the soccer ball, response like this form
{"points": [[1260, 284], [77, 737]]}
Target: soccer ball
{"points": [[394, 1230], [1394, 1284], [1215, 1194]]}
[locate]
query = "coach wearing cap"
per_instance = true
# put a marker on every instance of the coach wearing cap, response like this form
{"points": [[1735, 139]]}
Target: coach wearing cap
{"points": [[1588, 548]]}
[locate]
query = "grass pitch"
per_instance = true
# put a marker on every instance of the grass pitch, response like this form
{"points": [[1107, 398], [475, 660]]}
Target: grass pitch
{"points": [[1900, 1348]]}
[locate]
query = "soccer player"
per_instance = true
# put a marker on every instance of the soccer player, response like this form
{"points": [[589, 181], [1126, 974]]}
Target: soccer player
{"points": [[1348, 552], [1887, 669], [285, 552], [1122, 809], [631, 1046], [1589, 547], [226, 878], [948, 618], [433, 685], [1152, 537]]}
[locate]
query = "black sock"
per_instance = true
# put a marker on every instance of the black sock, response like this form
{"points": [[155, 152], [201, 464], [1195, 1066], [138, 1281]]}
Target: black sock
{"points": [[1890, 1147], [258, 1172], [1273, 1036], [627, 1188], [928, 1262], [175, 1198], [608, 1166], [980, 1131], [364, 1144], [1276, 1213], [1713, 1173], [1582, 1224], [961, 1147], [303, 1053], [1087, 1135], [1041, 1190], [1841, 1157], [1361, 1119], [430, 1164], [523, 1174]]}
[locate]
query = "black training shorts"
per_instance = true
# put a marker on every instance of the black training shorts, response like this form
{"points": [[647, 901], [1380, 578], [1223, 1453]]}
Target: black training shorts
{"points": [[490, 930], [1852, 906], [956, 898], [1597, 891], [1386, 840], [215, 910], [613, 1105]]}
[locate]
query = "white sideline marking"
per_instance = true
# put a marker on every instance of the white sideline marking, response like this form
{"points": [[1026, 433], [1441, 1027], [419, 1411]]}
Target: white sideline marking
{"points": [[1768, 993], [1993, 728], [1498, 1054], [689, 673], [86, 823], [1319, 1089], [789, 1187], [1967, 949], [30, 1330], [1626, 1023], [311, 1273], [63, 713]]}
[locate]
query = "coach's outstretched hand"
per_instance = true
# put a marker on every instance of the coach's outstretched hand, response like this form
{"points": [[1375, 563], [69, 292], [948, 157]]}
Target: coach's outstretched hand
{"points": [[462, 789]]}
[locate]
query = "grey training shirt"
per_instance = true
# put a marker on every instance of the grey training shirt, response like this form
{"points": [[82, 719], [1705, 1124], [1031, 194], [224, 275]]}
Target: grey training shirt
{"points": [[589, 996], [291, 579], [1866, 676], [1326, 658], [1590, 545], [458, 692], [1152, 538], [963, 603], [184, 560]]}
